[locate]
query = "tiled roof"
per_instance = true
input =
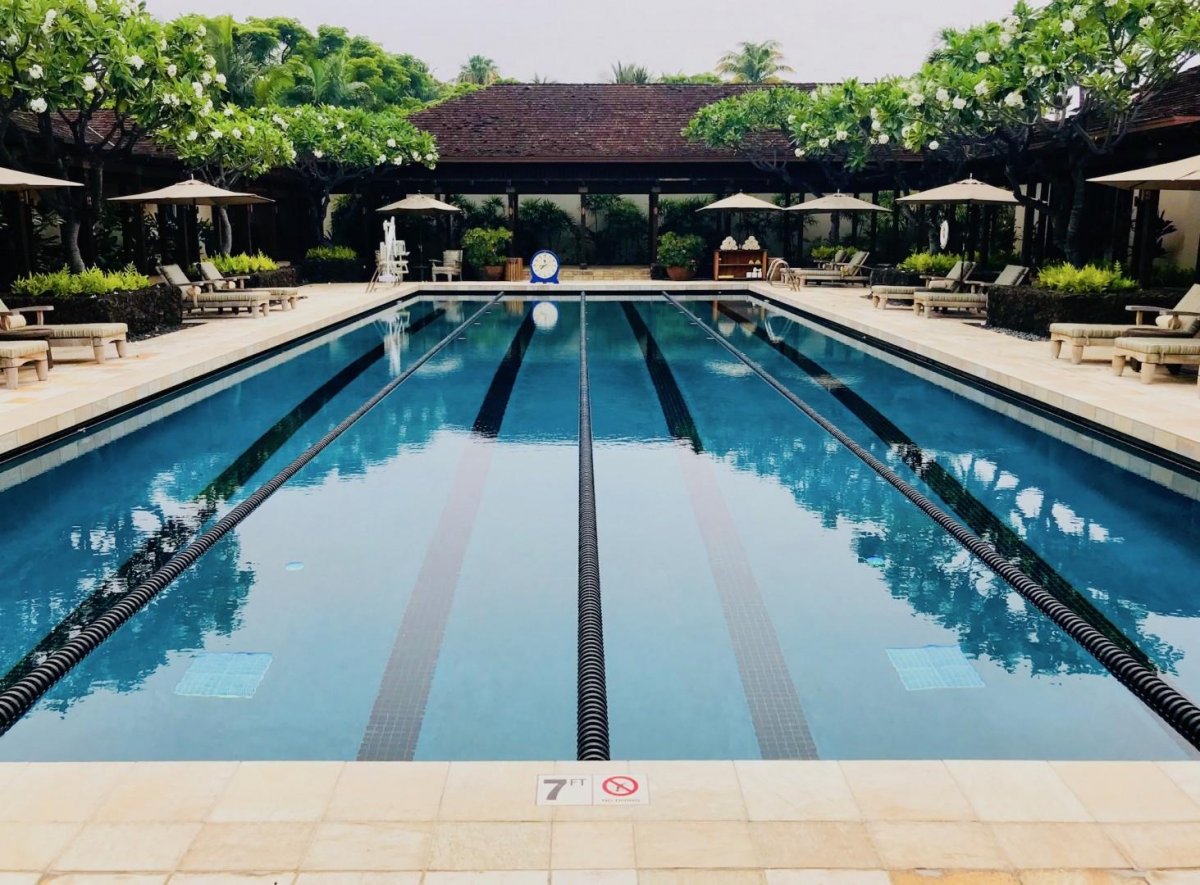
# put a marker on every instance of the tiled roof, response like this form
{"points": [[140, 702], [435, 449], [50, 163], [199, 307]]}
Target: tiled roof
{"points": [[576, 122], [1177, 103]]}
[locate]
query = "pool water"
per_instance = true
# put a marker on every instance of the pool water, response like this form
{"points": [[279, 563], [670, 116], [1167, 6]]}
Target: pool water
{"points": [[411, 593]]}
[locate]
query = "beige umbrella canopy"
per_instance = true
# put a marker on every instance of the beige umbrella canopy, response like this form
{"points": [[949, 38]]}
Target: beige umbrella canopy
{"points": [[420, 205], [193, 193], [740, 202], [1182, 175], [969, 190], [838, 202], [15, 180]]}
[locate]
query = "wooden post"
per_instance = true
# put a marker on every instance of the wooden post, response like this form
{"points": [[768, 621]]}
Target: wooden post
{"points": [[1028, 227], [581, 234], [652, 226], [786, 227], [1147, 216], [896, 236], [514, 205], [1043, 222], [874, 223]]}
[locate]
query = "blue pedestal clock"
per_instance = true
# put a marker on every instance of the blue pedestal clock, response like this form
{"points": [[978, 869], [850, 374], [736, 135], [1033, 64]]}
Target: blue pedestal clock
{"points": [[544, 267]]}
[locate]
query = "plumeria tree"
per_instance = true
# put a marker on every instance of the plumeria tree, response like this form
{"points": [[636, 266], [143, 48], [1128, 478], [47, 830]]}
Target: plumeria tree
{"points": [[337, 147], [85, 81], [1068, 75], [228, 148]]}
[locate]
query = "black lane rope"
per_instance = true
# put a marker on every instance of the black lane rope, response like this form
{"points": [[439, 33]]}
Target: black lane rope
{"points": [[24, 693], [591, 734], [1172, 707], [978, 517], [177, 531]]}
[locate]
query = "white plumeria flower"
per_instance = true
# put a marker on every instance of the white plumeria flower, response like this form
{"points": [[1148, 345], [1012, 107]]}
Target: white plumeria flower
{"points": [[12, 40], [959, 103], [983, 56], [201, 31], [250, 128], [341, 125], [35, 72], [210, 62], [91, 5], [318, 154], [823, 142], [235, 132], [934, 145], [1110, 3], [198, 88], [876, 125], [380, 160], [398, 160], [1014, 100], [943, 95], [89, 83], [391, 142], [208, 107], [916, 99], [874, 113], [221, 79], [1012, 23], [215, 134], [192, 135], [982, 87], [206, 78], [431, 157], [1067, 27], [227, 111], [38, 105], [799, 152], [136, 62], [884, 138], [1006, 39], [416, 156], [172, 70], [791, 119], [162, 45], [841, 135], [1145, 21], [1078, 11]]}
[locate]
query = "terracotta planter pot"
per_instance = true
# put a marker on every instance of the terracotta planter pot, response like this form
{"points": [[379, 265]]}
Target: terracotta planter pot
{"points": [[680, 274], [493, 272]]}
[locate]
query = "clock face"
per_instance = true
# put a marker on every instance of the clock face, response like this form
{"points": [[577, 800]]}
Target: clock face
{"points": [[544, 264]]}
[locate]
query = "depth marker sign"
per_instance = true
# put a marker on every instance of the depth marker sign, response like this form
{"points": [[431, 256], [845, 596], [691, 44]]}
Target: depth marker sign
{"points": [[616, 789]]}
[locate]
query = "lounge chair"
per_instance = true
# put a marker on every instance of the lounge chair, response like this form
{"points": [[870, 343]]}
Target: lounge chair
{"points": [[850, 272], [838, 259], [450, 265], [97, 336], [951, 282], [200, 296], [1152, 352], [935, 299], [285, 296], [14, 354], [1171, 322]]}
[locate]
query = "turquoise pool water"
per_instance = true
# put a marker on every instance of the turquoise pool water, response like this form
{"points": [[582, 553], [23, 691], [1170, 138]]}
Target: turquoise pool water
{"points": [[411, 593]]}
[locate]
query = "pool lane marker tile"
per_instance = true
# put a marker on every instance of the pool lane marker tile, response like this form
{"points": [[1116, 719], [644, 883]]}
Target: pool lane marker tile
{"points": [[394, 726], [224, 675], [934, 666]]}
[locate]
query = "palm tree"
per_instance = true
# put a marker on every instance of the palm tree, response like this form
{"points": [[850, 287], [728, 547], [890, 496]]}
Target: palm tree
{"points": [[326, 80], [630, 73], [754, 63], [234, 59], [479, 70]]}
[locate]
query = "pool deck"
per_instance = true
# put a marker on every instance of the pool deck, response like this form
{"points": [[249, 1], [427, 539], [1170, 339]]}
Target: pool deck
{"points": [[713, 823]]}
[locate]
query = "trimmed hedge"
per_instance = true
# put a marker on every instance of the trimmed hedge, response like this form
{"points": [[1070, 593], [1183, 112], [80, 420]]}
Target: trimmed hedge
{"points": [[283, 278], [894, 276], [337, 270], [1031, 310], [150, 311]]}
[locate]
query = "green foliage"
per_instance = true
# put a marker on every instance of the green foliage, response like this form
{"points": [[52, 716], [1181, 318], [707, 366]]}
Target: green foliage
{"points": [[244, 264], [679, 250], [932, 263], [1031, 310], [485, 246], [754, 63], [680, 78], [546, 225], [92, 281], [823, 252], [487, 213], [479, 70], [1089, 278], [630, 74], [1171, 276], [616, 230], [331, 253]]}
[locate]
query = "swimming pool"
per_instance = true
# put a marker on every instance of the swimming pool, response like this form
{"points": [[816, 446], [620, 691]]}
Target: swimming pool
{"points": [[412, 592]]}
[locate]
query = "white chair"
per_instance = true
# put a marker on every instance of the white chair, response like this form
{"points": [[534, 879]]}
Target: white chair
{"points": [[450, 265], [391, 263]]}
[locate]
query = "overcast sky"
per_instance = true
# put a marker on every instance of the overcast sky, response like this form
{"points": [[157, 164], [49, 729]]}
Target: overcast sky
{"points": [[579, 40]]}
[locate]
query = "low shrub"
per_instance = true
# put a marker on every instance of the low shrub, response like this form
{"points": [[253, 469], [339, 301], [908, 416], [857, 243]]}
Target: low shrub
{"points": [[1091, 278], [930, 263], [893, 276], [486, 246], [147, 311], [330, 253], [1171, 276], [823, 253], [93, 281], [680, 250], [1031, 309], [244, 264], [280, 278]]}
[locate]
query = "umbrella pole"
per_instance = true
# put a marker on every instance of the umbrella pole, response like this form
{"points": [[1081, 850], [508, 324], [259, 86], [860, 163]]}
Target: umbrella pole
{"points": [[23, 226]]}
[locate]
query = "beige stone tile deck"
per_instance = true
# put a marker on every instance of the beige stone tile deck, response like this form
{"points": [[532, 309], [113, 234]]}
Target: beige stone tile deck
{"points": [[1164, 414], [1017, 823]]}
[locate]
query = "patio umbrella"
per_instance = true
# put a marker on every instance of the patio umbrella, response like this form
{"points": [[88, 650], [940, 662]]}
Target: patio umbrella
{"points": [[970, 192], [193, 193], [835, 204], [740, 202], [420, 204], [1181, 175], [23, 183]]}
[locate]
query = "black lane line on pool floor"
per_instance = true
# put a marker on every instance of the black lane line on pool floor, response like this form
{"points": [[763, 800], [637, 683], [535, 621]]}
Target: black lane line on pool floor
{"points": [[779, 721], [178, 531], [399, 709], [591, 697], [1171, 705], [960, 500]]}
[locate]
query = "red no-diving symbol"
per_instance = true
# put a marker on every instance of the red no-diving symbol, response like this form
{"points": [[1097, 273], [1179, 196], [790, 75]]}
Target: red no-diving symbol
{"points": [[620, 786]]}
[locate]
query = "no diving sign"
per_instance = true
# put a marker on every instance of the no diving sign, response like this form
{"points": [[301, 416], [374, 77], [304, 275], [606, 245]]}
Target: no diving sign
{"points": [[615, 789]]}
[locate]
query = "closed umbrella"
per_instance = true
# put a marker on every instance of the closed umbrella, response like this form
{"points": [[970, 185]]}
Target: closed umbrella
{"points": [[420, 204], [193, 193], [23, 183], [970, 192], [1181, 175], [834, 204]]}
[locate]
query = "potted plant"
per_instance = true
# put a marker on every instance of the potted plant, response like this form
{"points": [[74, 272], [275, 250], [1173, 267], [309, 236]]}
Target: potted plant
{"points": [[486, 248], [679, 253]]}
